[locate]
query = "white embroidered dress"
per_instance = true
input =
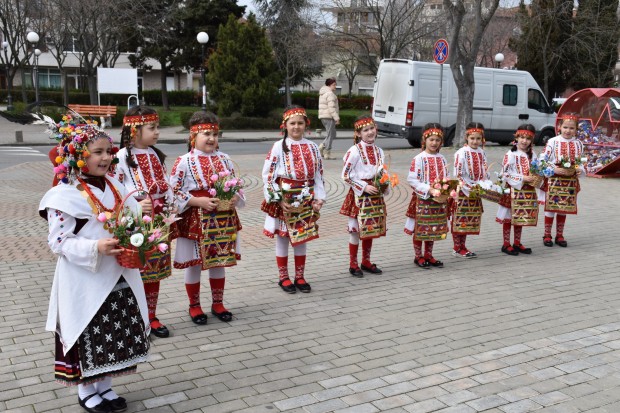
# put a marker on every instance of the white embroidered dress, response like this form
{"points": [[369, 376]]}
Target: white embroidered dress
{"points": [[470, 167], [515, 166]]}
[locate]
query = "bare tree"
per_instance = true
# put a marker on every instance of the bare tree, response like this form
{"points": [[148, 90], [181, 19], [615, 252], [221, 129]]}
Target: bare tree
{"points": [[501, 29], [465, 32], [380, 29]]}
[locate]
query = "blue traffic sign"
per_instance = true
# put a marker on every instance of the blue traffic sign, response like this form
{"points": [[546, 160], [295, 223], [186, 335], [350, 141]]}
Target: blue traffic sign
{"points": [[440, 51]]}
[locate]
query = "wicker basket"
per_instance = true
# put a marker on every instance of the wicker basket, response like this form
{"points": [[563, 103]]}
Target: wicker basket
{"points": [[442, 199], [225, 205], [537, 182], [566, 171], [130, 257], [295, 210], [492, 196]]}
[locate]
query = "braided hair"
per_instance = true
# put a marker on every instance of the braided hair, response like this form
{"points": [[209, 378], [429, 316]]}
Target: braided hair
{"points": [[126, 135]]}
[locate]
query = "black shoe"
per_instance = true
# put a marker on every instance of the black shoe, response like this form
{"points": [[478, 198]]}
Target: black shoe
{"points": [[509, 250], [561, 242], [522, 249], [290, 289], [547, 242], [422, 263], [434, 263], [224, 316], [160, 331], [200, 319], [103, 407], [356, 272], [117, 405], [303, 287], [373, 269]]}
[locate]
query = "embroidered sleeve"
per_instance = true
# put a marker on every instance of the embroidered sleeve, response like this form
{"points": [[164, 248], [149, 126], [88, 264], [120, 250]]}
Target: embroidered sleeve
{"points": [[349, 173], [417, 179], [63, 242], [319, 184], [510, 173], [177, 182], [271, 189]]}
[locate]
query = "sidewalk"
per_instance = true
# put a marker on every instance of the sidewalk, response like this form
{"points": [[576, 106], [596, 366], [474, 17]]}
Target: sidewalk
{"points": [[34, 135], [495, 334]]}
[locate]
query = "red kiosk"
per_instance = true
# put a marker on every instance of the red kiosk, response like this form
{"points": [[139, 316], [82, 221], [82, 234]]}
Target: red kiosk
{"points": [[599, 128]]}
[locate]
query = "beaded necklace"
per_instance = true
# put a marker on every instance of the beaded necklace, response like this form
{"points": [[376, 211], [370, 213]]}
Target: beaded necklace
{"points": [[96, 204]]}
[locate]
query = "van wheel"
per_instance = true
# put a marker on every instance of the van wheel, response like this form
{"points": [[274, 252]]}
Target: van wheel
{"points": [[415, 142], [449, 140], [545, 135]]}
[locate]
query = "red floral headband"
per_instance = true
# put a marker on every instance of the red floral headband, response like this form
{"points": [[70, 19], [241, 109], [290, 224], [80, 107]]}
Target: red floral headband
{"points": [[139, 120], [294, 112], [570, 116], [431, 132], [525, 132], [362, 123], [474, 130], [204, 127]]}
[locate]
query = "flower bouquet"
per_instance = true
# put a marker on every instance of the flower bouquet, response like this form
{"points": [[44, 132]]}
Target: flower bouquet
{"points": [[225, 187], [540, 169], [441, 189], [569, 168], [383, 179], [296, 199]]}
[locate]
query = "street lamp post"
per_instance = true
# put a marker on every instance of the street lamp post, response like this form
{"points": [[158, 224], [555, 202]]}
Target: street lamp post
{"points": [[499, 58], [203, 38], [33, 39], [138, 64], [9, 98]]}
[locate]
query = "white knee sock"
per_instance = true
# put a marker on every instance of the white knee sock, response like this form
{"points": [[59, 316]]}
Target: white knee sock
{"points": [[192, 274], [354, 238], [85, 390], [104, 385], [281, 246]]}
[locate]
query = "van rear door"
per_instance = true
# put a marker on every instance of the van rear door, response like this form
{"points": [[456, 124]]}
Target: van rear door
{"points": [[391, 92]]}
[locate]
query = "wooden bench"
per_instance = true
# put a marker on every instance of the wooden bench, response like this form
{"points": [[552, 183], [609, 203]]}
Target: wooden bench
{"points": [[104, 112]]}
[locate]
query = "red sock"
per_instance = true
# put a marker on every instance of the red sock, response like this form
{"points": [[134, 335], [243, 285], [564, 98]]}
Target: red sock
{"points": [[193, 293], [366, 248], [548, 225], [456, 238], [506, 231], [559, 227], [282, 263], [300, 266], [417, 248], [518, 230], [463, 240], [217, 294], [428, 249], [353, 255], [151, 290]]}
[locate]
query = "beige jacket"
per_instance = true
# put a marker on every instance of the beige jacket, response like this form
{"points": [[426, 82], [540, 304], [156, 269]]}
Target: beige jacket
{"points": [[328, 104]]}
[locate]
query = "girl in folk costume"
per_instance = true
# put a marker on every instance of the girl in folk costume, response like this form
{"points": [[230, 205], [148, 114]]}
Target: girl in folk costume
{"points": [[427, 216], [97, 308], [141, 167], [470, 167], [364, 203], [294, 194], [560, 190], [208, 238], [519, 208]]}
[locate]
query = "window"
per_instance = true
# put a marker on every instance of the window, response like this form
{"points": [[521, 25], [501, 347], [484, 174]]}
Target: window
{"points": [[509, 97], [536, 101]]}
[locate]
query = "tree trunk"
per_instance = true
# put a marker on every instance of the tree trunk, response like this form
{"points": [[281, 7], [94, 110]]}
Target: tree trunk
{"points": [[92, 89], [24, 94], [350, 81], [287, 91], [164, 86], [65, 88], [465, 85]]}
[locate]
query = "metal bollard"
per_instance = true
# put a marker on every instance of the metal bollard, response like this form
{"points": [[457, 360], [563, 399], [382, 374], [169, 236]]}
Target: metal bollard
{"points": [[19, 136]]}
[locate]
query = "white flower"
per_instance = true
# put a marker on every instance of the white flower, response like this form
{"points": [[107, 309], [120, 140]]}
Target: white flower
{"points": [[507, 190], [566, 165], [136, 240], [305, 191], [286, 187], [295, 204], [584, 159]]}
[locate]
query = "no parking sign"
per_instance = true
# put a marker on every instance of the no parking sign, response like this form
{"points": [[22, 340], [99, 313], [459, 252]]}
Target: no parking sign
{"points": [[440, 51]]}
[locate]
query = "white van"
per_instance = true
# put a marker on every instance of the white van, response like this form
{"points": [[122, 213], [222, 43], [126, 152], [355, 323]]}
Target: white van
{"points": [[406, 97]]}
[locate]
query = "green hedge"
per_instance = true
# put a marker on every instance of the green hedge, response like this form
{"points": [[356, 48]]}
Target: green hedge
{"points": [[310, 100]]}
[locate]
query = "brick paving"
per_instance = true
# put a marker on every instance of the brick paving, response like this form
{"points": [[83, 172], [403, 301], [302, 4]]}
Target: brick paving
{"points": [[495, 334]]}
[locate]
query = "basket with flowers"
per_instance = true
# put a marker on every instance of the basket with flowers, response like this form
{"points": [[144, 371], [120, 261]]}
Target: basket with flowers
{"points": [[442, 189], [297, 198], [568, 168], [225, 185], [491, 191], [139, 236], [383, 179]]}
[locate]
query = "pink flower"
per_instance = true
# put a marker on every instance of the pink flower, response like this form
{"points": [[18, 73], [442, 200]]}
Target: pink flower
{"points": [[214, 178], [445, 187], [226, 189], [212, 192], [147, 219], [102, 217], [222, 173], [152, 238], [234, 182], [453, 193], [240, 192], [163, 247], [241, 182]]}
